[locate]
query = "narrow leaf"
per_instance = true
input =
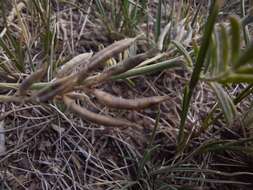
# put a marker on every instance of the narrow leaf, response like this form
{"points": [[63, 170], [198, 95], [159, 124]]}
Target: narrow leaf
{"points": [[225, 46], [238, 78], [246, 57], [236, 41], [168, 64], [226, 103], [198, 66], [184, 52], [158, 19]]}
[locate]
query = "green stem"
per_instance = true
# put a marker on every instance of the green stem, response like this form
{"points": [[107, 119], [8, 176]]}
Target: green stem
{"points": [[196, 73], [35, 86], [172, 63]]}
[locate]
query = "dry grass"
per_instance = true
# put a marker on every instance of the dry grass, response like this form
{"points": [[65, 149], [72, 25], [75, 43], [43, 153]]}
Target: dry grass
{"points": [[60, 61]]}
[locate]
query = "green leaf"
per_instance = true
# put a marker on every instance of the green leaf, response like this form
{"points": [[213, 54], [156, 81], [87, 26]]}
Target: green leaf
{"points": [[219, 51], [238, 78], [204, 45], [213, 55], [168, 64], [225, 46], [184, 52], [236, 40], [100, 8], [248, 120], [183, 116], [246, 34], [194, 20], [246, 57], [225, 102], [14, 51], [247, 69], [243, 94], [158, 20], [199, 65]]}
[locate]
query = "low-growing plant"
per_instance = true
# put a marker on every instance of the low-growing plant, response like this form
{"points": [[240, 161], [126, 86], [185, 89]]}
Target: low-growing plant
{"points": [[221, 57], [124, 16], [220, 60]]}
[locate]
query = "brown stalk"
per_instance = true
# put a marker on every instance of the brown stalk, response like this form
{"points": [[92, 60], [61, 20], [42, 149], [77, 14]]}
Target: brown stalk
{"points": [[122, 103], [96, 118], [126, 65]]}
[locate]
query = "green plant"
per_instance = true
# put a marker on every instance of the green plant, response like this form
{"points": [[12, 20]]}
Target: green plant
{"points": [[221, 60], [124, 17], [30, 67]]}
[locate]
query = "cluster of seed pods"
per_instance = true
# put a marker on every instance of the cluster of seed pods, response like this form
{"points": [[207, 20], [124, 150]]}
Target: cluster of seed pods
{"points": [[67, 82]]}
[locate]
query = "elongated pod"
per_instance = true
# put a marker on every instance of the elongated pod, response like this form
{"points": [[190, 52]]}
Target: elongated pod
{"points": [[59, 87], [96, 118], [126, 65], [105, 54], [34, 77], [122, 103]]}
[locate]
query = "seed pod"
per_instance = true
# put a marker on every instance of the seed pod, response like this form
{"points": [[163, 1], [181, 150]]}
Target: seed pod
{"points": [[34, 77], [57, 88], [96, 118], [105, 54], [126, 65], [73, 64], [122, 103]]}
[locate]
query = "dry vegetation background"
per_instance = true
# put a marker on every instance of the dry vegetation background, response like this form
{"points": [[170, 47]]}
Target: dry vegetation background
{"points": [[43, 145]]}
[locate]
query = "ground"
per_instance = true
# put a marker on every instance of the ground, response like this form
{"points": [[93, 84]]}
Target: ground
{"points": [[46, 146]]}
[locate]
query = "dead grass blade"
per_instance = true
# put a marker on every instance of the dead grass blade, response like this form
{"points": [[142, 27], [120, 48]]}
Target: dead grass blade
{"points": [[6, 99], [121, 103], [126, 65], [96, 118], [105, 54], [34, 77], [12, 14], [2, 138]]}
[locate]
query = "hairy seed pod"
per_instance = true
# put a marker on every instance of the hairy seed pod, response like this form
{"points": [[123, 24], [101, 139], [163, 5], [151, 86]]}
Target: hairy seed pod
{"points": [[34, 77], [104, 55], [122, 103], [96, 118], [126, 65]]}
